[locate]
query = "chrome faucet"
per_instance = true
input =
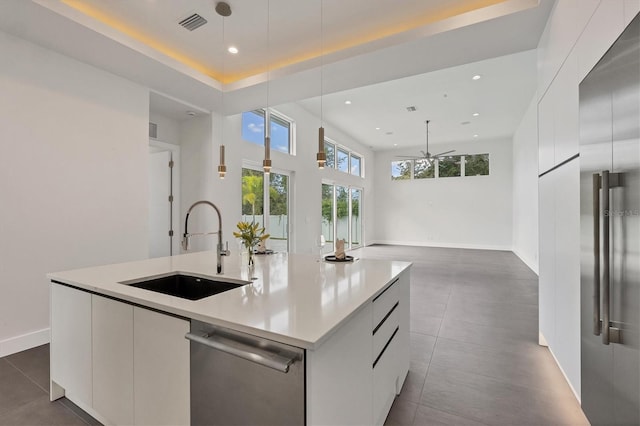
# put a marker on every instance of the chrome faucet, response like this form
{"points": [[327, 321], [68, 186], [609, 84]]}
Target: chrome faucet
{"points": [[219, 250]]}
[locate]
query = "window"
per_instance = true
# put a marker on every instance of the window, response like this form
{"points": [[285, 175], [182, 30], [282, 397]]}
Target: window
{"points": [[355, 165], [342, 159], [476, 165], [424, 169], [449, 166], [281, 129], [401, 170], [270, 211], [341, 215], [330, 152]]}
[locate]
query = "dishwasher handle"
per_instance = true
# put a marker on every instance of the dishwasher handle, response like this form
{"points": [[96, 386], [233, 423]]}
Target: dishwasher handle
{"points": [[250, 353]]}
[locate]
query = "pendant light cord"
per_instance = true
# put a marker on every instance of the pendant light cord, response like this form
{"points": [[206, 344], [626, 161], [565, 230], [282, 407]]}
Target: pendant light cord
{"points": [[321, 62]]}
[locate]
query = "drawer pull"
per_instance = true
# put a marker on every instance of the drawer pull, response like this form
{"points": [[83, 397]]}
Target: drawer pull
{"points": [[388, 287], [385, 346], [385, 317]]}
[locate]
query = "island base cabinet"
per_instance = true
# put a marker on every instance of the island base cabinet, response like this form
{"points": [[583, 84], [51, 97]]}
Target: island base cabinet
{"points": [[161, 376], [339, 375], [385, 376], [71, 345], [120, 363], [112, 328]]}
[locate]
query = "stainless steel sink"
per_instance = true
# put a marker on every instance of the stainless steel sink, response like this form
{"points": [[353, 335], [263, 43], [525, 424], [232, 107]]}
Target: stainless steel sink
{"points": [[185, 286]]}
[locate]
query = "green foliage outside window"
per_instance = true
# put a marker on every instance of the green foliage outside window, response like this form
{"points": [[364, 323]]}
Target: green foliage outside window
{"points": [[423, 169], [449, 166], [476, 165]]}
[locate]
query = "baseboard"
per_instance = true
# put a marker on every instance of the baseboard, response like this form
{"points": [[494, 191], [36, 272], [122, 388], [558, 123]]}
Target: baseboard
{"points": [[444, 245], [527, 261], [24, 342]]}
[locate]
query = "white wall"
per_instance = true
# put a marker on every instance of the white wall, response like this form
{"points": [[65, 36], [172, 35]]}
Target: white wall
{"points": [[73, 182], [577, 34], [471, 212], [168, 128], [525, 188], [200, 145]]}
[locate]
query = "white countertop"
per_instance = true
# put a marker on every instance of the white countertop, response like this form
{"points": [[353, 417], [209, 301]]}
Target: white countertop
{"points": [[295, 299]]}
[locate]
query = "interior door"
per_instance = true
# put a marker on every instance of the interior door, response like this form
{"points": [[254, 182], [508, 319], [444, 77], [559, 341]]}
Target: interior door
{"points": [[610, 234], [159, 205]]}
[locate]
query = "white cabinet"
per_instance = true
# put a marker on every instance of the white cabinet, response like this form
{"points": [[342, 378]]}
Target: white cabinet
{"points": [[161, 373], [122, 364], [390, 330], [344, 387], [71, 353], [339, 379], [112, 329]]}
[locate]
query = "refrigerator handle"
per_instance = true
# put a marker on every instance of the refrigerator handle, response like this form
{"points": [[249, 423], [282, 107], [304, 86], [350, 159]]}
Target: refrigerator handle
{"points": [[596, 254], [605, 257], [609, 334]]}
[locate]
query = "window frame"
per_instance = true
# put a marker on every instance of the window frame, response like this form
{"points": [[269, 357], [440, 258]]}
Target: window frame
{"points": [[350, 154], [350, 188], [269, 115], [436, 167]]}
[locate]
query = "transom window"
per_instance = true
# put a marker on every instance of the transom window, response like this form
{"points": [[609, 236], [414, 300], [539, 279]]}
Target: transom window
{"points": [[342, 159], [449, 166], [282, 129]]}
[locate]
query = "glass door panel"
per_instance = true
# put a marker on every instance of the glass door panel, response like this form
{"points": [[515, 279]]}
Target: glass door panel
{"points": [[253, 196], [278, 223], [356, 222], [327, 217], [342, 214]]}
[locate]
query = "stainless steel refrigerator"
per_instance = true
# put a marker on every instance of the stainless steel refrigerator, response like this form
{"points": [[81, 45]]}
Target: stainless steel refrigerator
{"points": [[610, 234]]}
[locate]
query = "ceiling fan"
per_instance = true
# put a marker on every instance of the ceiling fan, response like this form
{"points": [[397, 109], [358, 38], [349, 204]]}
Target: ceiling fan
{"points": [[426, 155]]}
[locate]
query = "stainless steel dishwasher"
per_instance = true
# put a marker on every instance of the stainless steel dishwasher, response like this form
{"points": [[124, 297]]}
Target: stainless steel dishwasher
{"points": [[239, 379]]}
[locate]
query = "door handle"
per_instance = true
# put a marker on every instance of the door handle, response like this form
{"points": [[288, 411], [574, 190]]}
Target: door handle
{"points": [[609, 334], [596, 254], [242, 350]]}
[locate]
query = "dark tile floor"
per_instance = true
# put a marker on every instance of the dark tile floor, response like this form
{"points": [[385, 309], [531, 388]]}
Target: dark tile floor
{"points": [[474, 353]]}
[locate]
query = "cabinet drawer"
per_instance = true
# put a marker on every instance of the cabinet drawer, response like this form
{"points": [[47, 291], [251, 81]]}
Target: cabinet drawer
{"points": [[385, 375], [382, 335], [384, 302]]}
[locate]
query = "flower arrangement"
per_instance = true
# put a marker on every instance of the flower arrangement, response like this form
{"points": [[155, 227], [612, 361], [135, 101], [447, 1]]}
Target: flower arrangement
{"points": [[250, 234]]}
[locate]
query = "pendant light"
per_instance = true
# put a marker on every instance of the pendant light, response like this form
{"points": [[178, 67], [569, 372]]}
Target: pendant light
{"points": [[266, 163], [223, 9], [321, 156]]}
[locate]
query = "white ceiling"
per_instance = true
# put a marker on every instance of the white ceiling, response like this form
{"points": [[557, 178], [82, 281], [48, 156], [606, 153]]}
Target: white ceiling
{"points": [[416, 43], [446, 97]]}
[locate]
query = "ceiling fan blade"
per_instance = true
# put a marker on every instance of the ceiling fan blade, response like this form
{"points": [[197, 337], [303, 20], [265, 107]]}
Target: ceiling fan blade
{"points": [[445, 153]]}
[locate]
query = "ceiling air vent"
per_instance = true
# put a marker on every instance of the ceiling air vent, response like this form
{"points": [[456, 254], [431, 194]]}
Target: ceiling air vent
{"points": [[411, 108], [153, 130], [192, 22]]}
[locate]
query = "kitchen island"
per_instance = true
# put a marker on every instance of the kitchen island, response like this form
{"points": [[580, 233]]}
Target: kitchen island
{"points": [[119, 352]]}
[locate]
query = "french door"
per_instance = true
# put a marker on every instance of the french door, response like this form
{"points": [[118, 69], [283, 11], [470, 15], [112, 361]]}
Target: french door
{"points": [[341, 216], [267, 201]]}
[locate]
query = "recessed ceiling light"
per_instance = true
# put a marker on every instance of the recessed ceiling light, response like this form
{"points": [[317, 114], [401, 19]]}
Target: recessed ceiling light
{"points": [[476, 77], [377, 128], [232, 49], [347, 102], [475, 136], [475, 114], [395, 144], [191, 113]]}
